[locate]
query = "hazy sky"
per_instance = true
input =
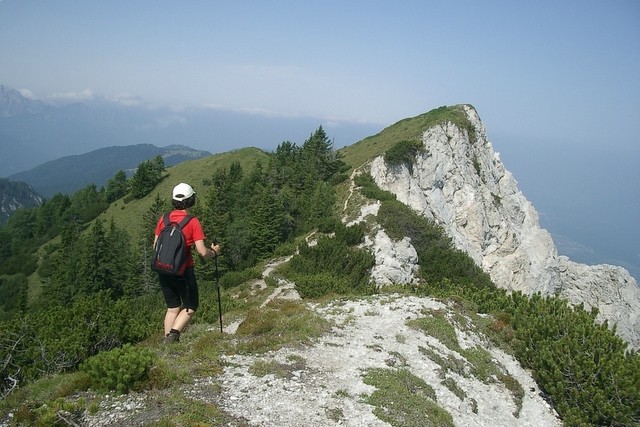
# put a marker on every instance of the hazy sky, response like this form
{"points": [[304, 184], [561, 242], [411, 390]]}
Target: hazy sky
{"points": [[548, 78], [559, 68]]}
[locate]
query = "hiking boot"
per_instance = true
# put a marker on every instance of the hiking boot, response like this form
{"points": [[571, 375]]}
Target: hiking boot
{"points": [[171, 337]]}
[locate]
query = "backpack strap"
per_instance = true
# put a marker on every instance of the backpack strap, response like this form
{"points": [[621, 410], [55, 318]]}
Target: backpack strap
{"points": [[184, 221], [166, 219], [181, 224]]}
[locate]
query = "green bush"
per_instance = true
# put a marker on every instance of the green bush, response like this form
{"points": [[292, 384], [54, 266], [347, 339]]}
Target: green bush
{"points": [[231, 279], [582, 365], [317, 285], [438, 258], [369, 188], [403, 153], [332, 266], [352, 236], [120, 369]]}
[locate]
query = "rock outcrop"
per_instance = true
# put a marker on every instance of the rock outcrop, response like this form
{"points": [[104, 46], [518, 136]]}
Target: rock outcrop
{"points": [[461, 184], [16, 195]]}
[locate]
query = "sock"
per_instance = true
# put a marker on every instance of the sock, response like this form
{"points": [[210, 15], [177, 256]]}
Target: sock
{"points": [[174, 331]]}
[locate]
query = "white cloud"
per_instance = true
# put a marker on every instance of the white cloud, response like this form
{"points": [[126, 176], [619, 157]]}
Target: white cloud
{"points": [[28, 94], [74, 96], [213, 106], [127, 99]]}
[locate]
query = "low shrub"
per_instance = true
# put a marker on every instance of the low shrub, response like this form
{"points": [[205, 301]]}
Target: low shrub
{"points": [[120, 369], [369, 188], [404, 153], [234, 278], [332, 266]]}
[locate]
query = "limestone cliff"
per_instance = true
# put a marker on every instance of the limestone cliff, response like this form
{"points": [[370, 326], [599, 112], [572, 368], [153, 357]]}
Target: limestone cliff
{"points": [[461, 184]]}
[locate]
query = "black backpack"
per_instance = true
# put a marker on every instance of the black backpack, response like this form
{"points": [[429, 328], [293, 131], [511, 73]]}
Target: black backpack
{"points": [[170, 251]]}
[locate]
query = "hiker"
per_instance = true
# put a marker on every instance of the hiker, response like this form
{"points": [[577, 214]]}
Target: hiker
{"points": [[181, 292]]}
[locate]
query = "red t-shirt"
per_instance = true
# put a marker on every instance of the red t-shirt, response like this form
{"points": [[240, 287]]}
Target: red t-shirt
{"points": [[192, 231]]}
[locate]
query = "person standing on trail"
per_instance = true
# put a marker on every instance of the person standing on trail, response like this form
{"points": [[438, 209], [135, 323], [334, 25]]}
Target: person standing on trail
{"points": [[181, 292]]}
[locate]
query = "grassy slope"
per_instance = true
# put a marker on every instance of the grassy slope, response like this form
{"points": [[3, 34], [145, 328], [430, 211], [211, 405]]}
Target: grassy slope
{"points": [[129, 215]]}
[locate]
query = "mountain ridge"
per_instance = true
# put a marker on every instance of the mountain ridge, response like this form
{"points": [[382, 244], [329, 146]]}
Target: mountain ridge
{"points": [[71, 173], [583, 230]]}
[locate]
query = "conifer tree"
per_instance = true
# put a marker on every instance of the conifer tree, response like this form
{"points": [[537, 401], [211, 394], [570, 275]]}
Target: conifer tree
{"points": [[146, 278], [147, 176], [282, 170], [318, 156], [52, 215], [117, 186], [265, 222], [61, 285], [87, 203], [94, 271], [119, 263]]}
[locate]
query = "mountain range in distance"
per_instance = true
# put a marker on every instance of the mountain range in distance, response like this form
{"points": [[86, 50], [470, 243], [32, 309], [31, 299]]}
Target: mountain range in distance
{"points": [[71, 173], [33, 131]]}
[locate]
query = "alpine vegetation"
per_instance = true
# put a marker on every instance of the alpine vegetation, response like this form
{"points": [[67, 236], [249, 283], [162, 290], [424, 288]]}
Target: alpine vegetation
{"points": [[366, 286]]}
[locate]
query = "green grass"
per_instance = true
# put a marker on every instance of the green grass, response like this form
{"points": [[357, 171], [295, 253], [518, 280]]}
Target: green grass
{"points": [[280, 323], [451, 384], [439, 327], [404, 400]]}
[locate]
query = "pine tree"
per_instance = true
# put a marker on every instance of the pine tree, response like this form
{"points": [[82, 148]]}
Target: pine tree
{"points": [[265, 222], [119, 261], [94, 273], [117, 186], [319, 157], [146, 278], [147, 176], [61, 286]]}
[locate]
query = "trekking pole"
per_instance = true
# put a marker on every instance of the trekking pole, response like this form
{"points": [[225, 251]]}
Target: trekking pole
{"points": [[218, 286]]}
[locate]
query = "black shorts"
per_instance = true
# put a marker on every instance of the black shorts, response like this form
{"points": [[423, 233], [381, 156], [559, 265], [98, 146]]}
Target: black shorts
{"points": [[180, 291]]}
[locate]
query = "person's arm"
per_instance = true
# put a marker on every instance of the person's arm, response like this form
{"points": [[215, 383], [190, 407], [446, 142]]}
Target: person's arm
{"points": [[207, 252]]}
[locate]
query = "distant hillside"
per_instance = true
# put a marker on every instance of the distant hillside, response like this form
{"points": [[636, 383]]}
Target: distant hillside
{"points": [[68, 174], [16, 195]]}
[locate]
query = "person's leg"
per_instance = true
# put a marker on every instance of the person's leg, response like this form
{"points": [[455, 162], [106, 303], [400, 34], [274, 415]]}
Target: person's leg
{"points": [[170, 319], [171, 291], [182, 320], [190, 301]]}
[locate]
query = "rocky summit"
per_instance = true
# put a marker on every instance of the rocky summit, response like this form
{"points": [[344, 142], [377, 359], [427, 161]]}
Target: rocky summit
{"points": [[459, 181]]}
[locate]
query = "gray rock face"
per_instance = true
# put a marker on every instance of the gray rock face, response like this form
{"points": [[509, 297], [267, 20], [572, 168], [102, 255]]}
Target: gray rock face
{"points": [[461, 184], [396, 262]]}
